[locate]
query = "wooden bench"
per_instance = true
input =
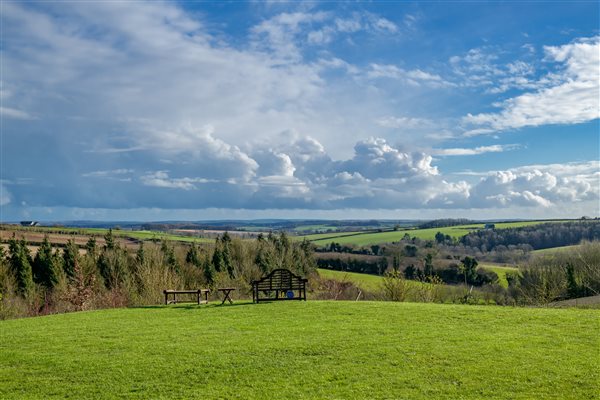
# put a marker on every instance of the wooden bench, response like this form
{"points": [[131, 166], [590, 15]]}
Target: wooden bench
{"points": [[280, 284], [197, 292]]}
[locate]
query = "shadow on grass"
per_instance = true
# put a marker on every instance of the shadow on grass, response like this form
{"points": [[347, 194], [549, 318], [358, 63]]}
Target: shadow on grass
{"points": [[194, 306]]}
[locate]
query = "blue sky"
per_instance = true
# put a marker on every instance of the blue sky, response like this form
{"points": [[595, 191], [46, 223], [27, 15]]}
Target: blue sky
{"points": [[200, 110]]}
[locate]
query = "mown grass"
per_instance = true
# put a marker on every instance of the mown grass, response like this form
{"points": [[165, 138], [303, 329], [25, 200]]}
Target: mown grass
{"points": [[320, 350], [369, 238]]}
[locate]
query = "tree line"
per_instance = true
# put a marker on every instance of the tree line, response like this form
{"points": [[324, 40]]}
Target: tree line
{"points": [[111, 275], [542, 236]]}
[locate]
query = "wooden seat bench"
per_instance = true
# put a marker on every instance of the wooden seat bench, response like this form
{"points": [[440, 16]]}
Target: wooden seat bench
{"points": [[280, 284], [197, 292]]}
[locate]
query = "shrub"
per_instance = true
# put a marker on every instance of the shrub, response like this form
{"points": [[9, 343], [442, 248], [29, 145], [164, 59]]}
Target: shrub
{"points": [[395, 287]]}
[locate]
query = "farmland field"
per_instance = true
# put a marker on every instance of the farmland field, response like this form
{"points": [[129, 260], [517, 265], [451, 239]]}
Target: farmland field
{"points": [[500, 270], [364, 281], [364, 239], [554, 250], [60, 235], [349, 350]]}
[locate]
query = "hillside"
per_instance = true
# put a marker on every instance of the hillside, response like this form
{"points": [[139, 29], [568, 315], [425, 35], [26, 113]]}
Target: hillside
{"points": [[368, 238], [358, 350]]}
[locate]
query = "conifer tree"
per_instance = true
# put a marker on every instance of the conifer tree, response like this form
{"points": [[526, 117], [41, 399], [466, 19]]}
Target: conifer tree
{"points": [[20, 265], [70, 258], [46, 266], [209, 274]]}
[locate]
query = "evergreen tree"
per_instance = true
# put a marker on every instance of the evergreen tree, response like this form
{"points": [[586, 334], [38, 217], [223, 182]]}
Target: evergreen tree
{"points": [[169, 253], [45, 266], [469, 268], [70, 258], [428, 268], [226, 256], [109, 240], [573, 287], [20, 265], [140, 254], [91, 247], [209, 273], [192, 256], [217, 258]]}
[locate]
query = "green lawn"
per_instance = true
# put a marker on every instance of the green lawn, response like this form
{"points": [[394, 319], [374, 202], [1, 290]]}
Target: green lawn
{"points": [[302, 350], [363, 239]]}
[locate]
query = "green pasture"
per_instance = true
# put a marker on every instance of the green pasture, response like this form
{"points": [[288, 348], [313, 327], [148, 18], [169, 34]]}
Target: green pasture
{"points": [[553, 250], [500, 270], [304, 350], [364, 281], [304, 228], [369, 238], [140, 234]]}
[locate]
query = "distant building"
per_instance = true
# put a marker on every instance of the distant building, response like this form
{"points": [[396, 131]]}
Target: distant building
{"points": [[490, 226], [29, 223]]}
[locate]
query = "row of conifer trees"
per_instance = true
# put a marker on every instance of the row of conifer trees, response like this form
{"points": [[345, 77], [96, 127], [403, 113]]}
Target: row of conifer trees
{"points": [[116, 273]]}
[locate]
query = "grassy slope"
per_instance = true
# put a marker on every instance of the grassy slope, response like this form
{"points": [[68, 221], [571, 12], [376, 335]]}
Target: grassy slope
{"points": [[500, 270], [363, 239], [324, 350], [373, 282], [140, 235], [364, 281], [556, 249]]}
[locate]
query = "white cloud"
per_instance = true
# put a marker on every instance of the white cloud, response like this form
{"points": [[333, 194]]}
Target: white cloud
{"points": [[404, 122], [497, 148], [572, 96], [144, 86], [107, 173], [161, 179], [414, 77], [540, 185], [5, 197], [8, 112]]}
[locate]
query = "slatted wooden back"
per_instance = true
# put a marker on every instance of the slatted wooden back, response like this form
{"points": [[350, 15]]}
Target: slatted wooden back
{"points": [[279, 281]]}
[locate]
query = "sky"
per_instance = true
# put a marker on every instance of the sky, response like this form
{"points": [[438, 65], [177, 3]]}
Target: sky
{"points": [[156, 110]]}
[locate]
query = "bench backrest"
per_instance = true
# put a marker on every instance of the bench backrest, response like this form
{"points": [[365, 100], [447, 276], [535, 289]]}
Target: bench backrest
{"points": [[280, 279]]}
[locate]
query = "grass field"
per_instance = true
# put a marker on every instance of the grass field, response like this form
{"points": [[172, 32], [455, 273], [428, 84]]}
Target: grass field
{"points": [[364, 281], [84, 233], [556, 249], [301, 350], [500, 270], [364, 239], [373, 282]]}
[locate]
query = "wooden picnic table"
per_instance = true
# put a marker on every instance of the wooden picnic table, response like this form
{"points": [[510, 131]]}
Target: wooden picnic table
{"points": [[197, 292], [226, 292]]}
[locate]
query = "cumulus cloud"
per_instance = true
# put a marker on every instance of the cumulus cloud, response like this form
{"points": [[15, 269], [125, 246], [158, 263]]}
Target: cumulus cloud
{"points": [[162, 114], [541, 185], [571, 96]]}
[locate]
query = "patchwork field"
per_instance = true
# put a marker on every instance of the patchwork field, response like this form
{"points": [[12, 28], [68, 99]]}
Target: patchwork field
{"points": [[321, 350], [369, 238], [60, 235]]}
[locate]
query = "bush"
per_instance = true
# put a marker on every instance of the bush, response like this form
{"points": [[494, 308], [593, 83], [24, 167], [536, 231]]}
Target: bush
{"points": [[395, 287]]}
